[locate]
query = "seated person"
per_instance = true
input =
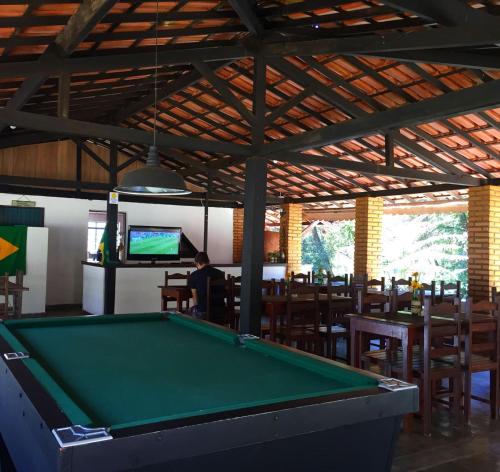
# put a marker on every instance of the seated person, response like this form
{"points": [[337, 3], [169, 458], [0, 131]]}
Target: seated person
{"points": [[198, 284]]}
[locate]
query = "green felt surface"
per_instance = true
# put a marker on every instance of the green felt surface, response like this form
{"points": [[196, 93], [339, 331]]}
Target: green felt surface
{"points": [[127, 370]]}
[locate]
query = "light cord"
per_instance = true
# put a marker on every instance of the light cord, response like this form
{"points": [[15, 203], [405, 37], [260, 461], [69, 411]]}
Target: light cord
{"points": [[156, 74]]}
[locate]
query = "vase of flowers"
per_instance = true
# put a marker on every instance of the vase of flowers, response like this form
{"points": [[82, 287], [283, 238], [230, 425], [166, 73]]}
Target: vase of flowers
{"points": [[416, 302]]}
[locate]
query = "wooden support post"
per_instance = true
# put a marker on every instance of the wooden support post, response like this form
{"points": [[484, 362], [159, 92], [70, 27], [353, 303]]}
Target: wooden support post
{"points": [[253, 245], [112, 227], [205, 220]]}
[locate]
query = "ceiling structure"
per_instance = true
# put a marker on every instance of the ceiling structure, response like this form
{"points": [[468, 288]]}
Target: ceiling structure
{"points": [[396, 98]]}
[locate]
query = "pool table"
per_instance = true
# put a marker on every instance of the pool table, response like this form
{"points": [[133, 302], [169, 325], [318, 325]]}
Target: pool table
{"points": [[166, 392]]}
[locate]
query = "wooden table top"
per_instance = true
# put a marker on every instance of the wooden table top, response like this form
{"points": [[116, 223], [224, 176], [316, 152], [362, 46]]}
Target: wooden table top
{"points": [[405, 318], [323, 297]]}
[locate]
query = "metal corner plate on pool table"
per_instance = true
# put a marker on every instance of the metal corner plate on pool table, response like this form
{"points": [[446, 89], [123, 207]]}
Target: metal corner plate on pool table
{"points": [[14, 356], [78, 435]]}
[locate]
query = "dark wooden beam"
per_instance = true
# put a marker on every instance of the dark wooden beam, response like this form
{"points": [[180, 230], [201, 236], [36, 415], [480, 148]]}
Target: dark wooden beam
{"points": [[375, 169], [472, 35], [467, 100], [181, 83], [55, 65], [246, 10], [88, 15], [389, 150], [223, 90], [470, 60], [415, 190], [115, 133]]}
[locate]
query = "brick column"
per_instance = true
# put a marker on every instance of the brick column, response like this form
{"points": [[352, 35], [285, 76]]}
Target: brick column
{"points": [[368, 236], [238, 214], [291, 235], [484, 241]]}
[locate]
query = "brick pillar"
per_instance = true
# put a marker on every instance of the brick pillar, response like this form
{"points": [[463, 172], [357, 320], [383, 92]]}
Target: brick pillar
{"points": [[484, 241], [238, 214], [291, 235], [368, 236]]}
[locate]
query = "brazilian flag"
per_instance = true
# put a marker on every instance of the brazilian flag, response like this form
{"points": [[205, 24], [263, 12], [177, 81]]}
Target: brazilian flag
{"points": [[13, 249], [104, 247]]}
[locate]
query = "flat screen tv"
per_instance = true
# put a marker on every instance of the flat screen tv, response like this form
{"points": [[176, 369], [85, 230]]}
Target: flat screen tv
{"points": [[153, 243]]}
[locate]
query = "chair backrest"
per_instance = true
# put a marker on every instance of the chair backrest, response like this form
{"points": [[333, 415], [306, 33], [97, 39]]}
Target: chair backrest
{"points": [[219, 290], [450, 290], [334, 307], [400, 284], [319, 278], [435, 331], [366, 301], [357, 282], [482, 331], [379, 284], [300, 277], [302, 307], [494, 293], [428, 291], [177, 276], [338, 280]]}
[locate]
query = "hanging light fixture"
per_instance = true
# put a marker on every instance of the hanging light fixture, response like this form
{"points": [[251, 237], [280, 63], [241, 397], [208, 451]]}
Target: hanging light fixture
{"points": [[153, 179]]}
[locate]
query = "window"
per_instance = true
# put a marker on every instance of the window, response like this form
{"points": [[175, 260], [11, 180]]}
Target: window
{"points": [[95, 230]]}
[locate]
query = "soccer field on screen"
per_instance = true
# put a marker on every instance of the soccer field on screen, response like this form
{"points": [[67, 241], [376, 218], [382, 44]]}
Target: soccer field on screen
{"points": [[161, 244]]}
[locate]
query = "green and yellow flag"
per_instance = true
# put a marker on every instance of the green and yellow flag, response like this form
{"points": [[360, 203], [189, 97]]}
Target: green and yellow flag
{"points": [[104, 247], [13, 249]]}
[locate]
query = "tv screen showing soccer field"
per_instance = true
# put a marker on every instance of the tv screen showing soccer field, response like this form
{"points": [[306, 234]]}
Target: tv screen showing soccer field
{"points": [[157, 243]]}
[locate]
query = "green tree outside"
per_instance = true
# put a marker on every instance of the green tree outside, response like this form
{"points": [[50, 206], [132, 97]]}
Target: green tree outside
{"points": [[433, 244]]}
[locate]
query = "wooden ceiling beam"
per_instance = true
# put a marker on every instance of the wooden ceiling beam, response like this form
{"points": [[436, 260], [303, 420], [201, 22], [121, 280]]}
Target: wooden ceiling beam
{"points": [[455, 103], [86, 129], [246, 10]]}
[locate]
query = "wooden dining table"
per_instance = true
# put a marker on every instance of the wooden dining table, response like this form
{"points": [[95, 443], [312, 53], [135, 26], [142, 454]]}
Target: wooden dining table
{"points": [[275, 306], [404, 326], [16, 290]]}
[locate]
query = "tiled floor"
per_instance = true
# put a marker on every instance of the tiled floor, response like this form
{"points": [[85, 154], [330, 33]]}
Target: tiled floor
{"points": [[454, 447]]}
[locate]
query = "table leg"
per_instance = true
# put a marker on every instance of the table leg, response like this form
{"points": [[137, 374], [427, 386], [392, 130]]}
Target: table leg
{"points": [[407, 343], [272, 321], [18, 304], [355, 346], [179, 303]]}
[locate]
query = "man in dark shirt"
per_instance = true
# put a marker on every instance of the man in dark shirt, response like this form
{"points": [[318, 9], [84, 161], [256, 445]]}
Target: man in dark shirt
{"points": [[198, 285]]}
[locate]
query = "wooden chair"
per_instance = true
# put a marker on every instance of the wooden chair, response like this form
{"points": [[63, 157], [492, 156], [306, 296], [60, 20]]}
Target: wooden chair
{"points": [[300, 277], [482, 351], [449, 291], [180, 302], [439, 360], [300, 323], [336, 323], [220, 303]]}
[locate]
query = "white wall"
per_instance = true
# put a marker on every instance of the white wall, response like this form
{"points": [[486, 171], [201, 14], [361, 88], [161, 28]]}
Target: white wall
{"points": [[67, 219], [36, 271]]}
